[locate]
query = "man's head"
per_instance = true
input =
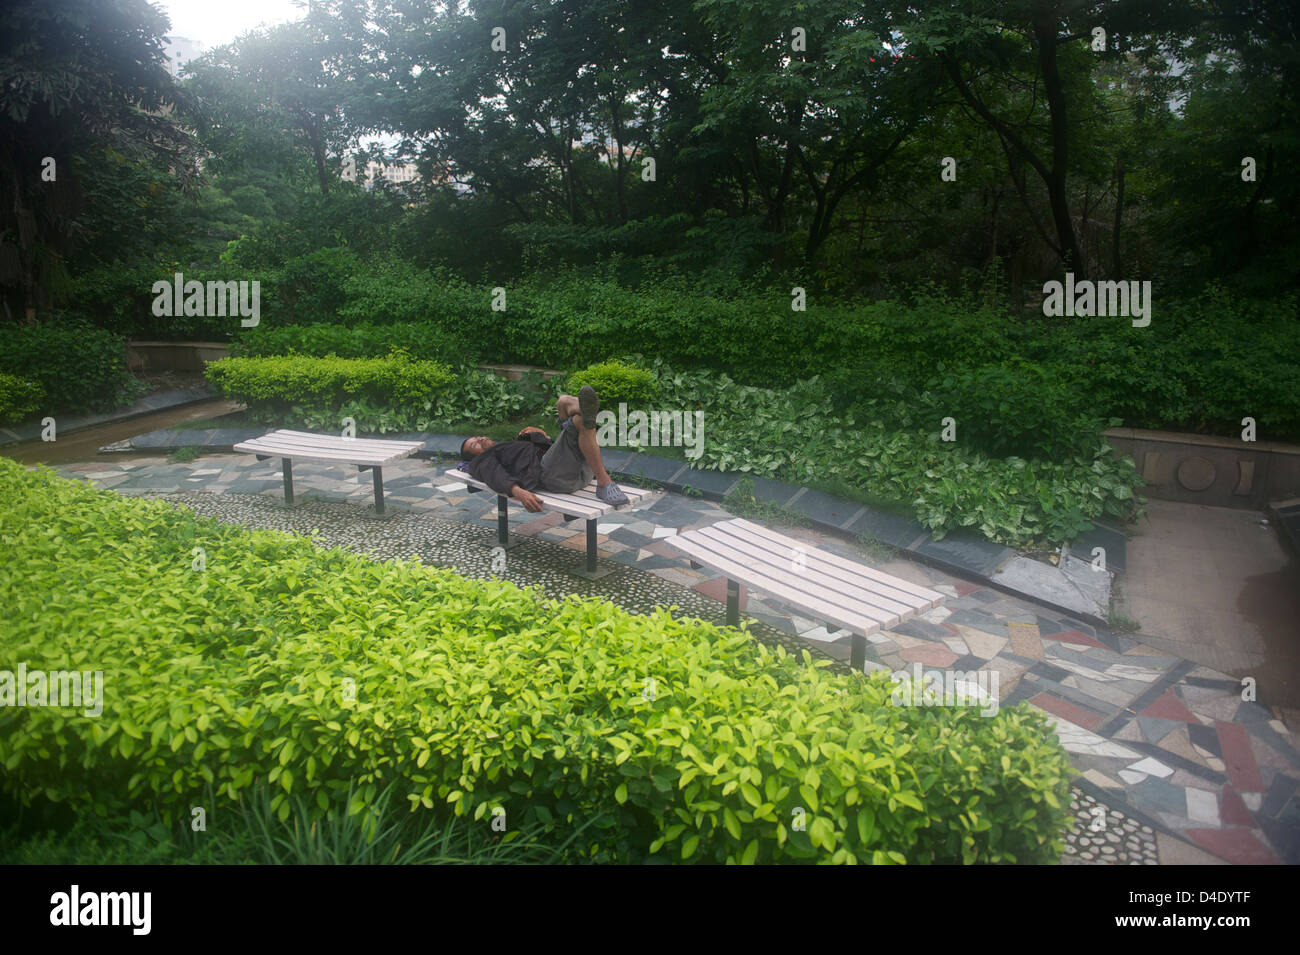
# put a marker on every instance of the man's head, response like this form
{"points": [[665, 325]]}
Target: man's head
{"points": [[473, 447]]}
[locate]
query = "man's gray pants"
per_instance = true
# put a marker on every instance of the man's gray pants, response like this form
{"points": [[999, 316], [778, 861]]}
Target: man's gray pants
{"points": [[564, 469]]}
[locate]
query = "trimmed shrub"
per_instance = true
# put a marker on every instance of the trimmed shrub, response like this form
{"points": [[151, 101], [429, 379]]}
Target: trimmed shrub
{"points": [[80, 367], [325, 383], [474, 695], [616, 382], [19, 398]]}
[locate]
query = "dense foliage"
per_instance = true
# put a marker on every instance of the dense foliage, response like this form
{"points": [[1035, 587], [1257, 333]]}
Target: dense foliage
{"points": [[1032, 386], [19, 398], [78, 367], [796, 434], [421, 340], [328, 677]]}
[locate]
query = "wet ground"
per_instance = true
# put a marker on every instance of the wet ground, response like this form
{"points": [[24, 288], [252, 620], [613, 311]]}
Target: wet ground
{"points": [[84, 445]]}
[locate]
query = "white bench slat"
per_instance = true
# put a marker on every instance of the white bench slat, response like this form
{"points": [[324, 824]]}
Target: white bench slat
{"points": [[702, 554], [814, 596], [337, 441], [893, 589], [932, 597], [270, 449], [583, 503], [333, 449], [575, 508], [778, 565]]}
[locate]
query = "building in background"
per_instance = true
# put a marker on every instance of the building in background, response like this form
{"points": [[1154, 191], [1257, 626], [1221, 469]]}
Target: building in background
{"points": [[180, 50]]}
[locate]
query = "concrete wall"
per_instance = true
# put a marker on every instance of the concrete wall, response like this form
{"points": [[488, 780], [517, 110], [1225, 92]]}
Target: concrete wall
{"points": [[1200, 469], [173, 356]]}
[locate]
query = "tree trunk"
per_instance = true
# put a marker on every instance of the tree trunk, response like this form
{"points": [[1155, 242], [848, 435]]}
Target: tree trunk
{"points": [[1045, 35], [1116, 260]]}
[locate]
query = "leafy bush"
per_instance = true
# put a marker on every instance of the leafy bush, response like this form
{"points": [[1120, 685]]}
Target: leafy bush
{"points": [[278, 382], [475, 695], [796, 435], [313, 287], [616, 382], [121, 300], [80, 368], [1013, 408], [421, 340], [19, 398]]}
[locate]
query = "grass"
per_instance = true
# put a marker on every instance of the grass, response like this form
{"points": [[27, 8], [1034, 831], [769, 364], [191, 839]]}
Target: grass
{"points": [[742, 502], [1118, 623], [251, 833], [876, 550], [182, 455]]}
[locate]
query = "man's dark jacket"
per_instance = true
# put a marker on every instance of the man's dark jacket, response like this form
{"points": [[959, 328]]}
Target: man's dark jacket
{"points": [[508, 463]]}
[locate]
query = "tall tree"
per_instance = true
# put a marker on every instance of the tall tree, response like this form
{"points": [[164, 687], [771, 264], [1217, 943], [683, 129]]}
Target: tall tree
{"points": [[81, 81]]}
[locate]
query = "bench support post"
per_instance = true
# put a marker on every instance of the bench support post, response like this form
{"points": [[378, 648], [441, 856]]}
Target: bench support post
{"points": [[592, 570], [287, 468], [733, 603], [379, 490], [858, 653], [503, 523]]}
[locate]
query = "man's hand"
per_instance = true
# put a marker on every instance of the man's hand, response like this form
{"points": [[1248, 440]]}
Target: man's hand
{"points": [[528, 499], [532, 428]]}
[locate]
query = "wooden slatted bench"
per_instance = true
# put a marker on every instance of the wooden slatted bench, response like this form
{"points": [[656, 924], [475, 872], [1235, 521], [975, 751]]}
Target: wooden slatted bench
{"points": [[583, 503], [841, 593], [366, 453]]}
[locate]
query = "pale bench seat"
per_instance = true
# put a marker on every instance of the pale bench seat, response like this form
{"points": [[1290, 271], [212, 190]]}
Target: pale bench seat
{"points": [[841, 593], [583, 503], [371, 454]]}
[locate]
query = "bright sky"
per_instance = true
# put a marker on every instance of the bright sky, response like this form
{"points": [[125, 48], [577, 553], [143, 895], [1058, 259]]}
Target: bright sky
{"points": [[214, 22]]}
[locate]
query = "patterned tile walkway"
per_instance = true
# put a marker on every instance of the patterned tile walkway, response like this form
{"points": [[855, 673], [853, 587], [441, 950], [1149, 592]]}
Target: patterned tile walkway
{"points": [[1168, 752]]}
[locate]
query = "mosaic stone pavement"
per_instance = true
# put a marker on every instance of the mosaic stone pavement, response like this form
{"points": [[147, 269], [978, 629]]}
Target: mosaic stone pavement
{"points": [[1162, 746]]}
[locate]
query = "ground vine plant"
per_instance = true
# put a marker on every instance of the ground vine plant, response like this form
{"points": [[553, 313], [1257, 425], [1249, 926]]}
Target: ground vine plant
{"points": [[794, 434], [474, 696]]}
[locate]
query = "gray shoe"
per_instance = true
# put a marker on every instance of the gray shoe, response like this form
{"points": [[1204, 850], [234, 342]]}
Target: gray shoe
{"points": [[588, 406], [612, 495]]}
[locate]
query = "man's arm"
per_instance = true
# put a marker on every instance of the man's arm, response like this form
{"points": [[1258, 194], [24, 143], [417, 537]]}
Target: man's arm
{"points": [[490, 472]]}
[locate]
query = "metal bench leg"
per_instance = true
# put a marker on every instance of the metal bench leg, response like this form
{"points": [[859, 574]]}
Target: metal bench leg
{"points": [[379, 490], [858, 654], [287, 468], [592, 570], [503, 523], [733, 603]]}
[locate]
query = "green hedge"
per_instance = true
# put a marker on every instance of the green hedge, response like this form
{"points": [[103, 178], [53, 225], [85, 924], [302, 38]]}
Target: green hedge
{"points": [[19, 398], [79, 367], [474, 695], [326, 383]]}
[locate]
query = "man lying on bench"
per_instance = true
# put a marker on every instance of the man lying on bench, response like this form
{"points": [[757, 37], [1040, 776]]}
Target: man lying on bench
{"points": [[532, 461]]}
